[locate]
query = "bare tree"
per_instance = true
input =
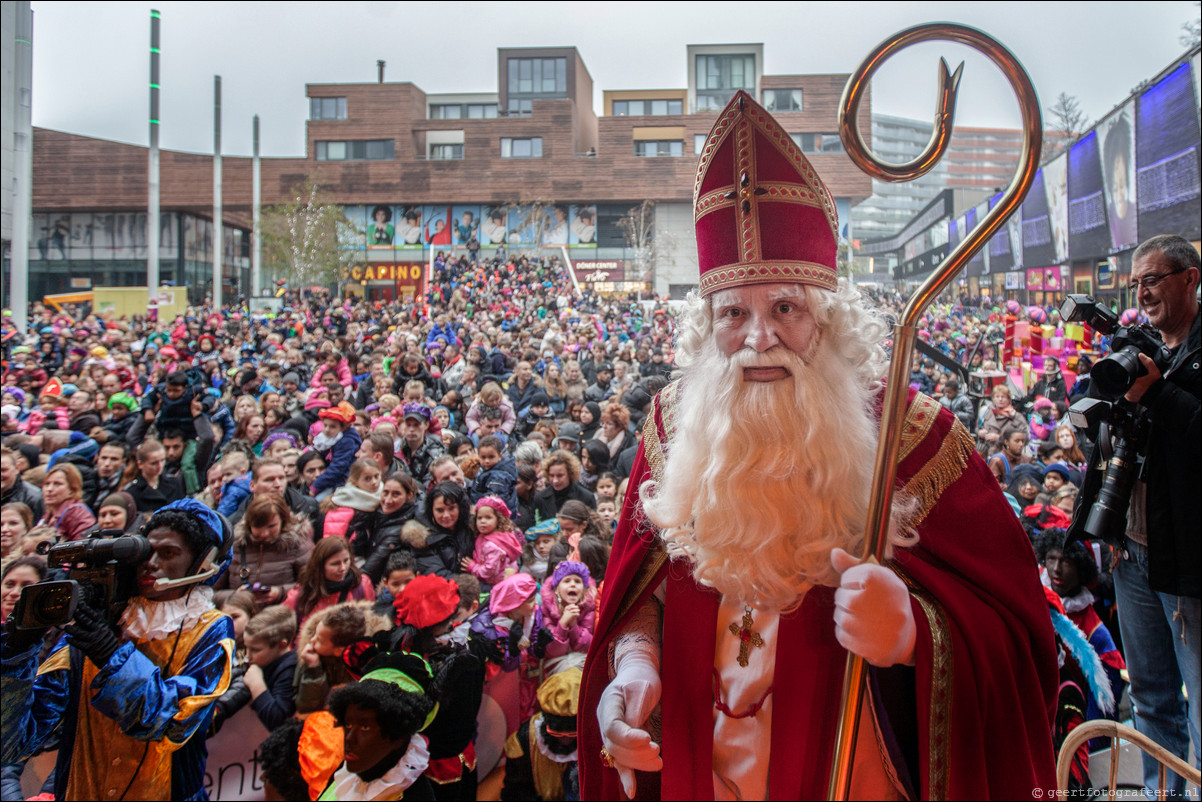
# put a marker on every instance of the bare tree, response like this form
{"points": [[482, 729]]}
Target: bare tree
{"points": [[1065, 117], [309, 238], [638, 228], [1191, 31]]}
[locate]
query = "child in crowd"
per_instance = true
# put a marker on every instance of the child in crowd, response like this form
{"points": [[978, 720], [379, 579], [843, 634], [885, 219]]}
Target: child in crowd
{"points": [[512, 607], [539, 540], [607, 486], [319, 664], [268, 679], [577, 520], [607, 508], [469, 608], [569, 614], [239, 606], [337, 443], [428, 558], [350, 510], [498, 474], [498, 544], [400, 571]]}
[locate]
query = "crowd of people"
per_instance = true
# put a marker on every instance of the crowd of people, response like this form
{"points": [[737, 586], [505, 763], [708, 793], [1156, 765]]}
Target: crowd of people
{"points": [[417, 500]]}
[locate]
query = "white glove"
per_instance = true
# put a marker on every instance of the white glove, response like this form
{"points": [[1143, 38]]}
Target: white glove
{"points": [[873, 617], [623, 708]]}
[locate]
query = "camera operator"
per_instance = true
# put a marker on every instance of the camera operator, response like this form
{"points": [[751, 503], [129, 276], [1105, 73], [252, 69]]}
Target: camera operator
{"points": [[1157, 581], [130, 705]]}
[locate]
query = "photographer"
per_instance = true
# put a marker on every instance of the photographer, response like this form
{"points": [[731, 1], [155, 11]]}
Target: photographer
{"points": [[1157, 581], [127, 702]]}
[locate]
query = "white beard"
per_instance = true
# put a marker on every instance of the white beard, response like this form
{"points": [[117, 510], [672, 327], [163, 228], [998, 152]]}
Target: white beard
{"points": [[762, 480]]}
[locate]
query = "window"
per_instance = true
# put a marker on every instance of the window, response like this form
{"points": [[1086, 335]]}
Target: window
{"points": [[818, 143], [356, 150], [538, 76], [669, 147], [637, 108], [458, 111], [719, 76], [520, 107], [446, 152], [782, 99], [522, 148], [698, 143], [327, 108]]}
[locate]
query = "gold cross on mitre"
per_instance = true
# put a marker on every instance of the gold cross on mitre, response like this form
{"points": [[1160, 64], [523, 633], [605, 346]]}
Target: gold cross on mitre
{"points": [[747, 638]]}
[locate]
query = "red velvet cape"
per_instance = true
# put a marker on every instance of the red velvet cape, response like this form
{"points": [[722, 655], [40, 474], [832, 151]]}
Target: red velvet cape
{"points": [[986, 661]]}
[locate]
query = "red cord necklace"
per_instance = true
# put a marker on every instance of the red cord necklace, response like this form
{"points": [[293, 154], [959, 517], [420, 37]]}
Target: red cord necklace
{"points": [[749, 712]]}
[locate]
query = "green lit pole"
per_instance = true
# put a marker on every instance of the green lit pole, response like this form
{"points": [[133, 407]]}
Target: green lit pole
{"points": [[218, 245], [18, 279], [152, 201]]}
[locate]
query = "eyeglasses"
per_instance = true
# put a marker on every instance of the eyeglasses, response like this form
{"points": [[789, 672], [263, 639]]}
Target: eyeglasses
{"points": [[1151, 282]]}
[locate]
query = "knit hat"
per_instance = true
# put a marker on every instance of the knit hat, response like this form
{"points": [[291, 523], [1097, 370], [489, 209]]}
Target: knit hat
{"points": [[510, 593], [427, 600], [548, 527], [316, 401], [496, 503], [569, 432], [274, 436], [568, 567], [540, 399], [292, 377]]}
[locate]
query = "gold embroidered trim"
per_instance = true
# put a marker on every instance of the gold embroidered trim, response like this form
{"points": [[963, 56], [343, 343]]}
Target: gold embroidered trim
{"points": [[712, 202], [939, 743], [920, 417], [941, 471], [767, 272], [59, 661], [749, 207], [653, 449]]}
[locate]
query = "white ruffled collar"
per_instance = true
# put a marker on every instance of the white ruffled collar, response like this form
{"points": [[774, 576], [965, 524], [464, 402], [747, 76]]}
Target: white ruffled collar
{"points": [[1072, 604], [412, 764], [144, 619], [541, 743]]}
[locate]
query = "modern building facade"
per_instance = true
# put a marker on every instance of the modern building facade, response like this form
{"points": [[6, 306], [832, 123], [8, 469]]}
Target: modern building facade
{"points": [[530, 167]]}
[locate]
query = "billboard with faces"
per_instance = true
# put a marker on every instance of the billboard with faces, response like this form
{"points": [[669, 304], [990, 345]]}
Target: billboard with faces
{"points": [[1055, 182], [1116, 141]]}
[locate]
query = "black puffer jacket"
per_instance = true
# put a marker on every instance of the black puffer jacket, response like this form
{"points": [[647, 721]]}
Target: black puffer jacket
{"points": [[386, 538], [1173, 471]]}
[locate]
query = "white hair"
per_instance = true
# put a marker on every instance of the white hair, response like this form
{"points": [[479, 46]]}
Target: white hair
{"points": [[757, 497]]}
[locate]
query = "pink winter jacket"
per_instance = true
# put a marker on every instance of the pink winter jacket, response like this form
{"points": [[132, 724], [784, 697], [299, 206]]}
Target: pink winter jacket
{"points": [[495, 554], [579, 636], [344, 374]]}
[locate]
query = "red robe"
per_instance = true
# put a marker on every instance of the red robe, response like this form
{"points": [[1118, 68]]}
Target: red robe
{"points": [[984, 686]]}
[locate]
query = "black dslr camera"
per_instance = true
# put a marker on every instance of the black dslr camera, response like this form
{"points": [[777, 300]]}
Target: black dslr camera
{"points": [[1118, 427], [102, 572]]}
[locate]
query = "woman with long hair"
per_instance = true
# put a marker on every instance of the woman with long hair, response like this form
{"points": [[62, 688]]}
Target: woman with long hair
{"points": [[251, 430], [62, 502], [270, 550], [1066, 438], [328, 578], [555, 388]]}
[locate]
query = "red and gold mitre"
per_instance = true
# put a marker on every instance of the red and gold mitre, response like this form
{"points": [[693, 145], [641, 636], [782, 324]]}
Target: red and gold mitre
{"points": [[763, 215]]}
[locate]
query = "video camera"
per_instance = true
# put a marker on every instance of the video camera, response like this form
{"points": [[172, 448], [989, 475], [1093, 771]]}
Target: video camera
{"points": [[1117, 426], [102, 571]]}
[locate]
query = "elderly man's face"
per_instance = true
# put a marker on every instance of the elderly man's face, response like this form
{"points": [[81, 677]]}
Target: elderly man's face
{"points": [[761, 317]]}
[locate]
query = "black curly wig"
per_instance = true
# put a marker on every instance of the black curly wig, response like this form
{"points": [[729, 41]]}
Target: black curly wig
{"points": [[1078, 553], [400, 713], [193, 531], [281, 762]]}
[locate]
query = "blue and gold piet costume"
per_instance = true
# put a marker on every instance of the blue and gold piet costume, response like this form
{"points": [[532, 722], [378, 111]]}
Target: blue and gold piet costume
{"points": [[127, 727]]}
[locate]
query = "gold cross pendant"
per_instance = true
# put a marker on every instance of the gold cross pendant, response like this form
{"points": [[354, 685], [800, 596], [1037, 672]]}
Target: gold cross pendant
{"points": [[747, 638]]}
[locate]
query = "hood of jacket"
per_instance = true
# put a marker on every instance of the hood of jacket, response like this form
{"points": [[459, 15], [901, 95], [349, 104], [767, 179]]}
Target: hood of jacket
{"points": [[508, 542]]}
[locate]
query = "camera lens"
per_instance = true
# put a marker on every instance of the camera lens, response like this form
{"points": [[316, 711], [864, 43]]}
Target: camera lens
{"points": [[1113, 376]]}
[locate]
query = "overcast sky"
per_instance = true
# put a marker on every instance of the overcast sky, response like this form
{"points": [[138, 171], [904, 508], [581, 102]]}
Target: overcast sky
{"points": [[91, 59]]}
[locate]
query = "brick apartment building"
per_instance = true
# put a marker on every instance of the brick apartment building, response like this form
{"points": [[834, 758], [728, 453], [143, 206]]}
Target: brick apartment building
{"points": [[438, 167]]}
